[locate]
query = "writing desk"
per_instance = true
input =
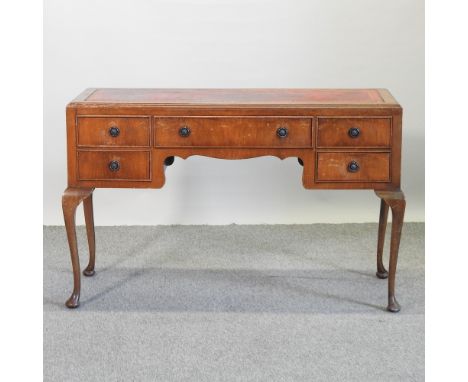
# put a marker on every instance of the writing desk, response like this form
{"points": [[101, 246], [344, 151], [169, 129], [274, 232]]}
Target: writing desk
{"points": [[343, 138]]}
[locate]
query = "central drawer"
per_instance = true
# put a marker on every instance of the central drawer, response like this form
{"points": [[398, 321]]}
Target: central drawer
{"points": [[232, 132]]}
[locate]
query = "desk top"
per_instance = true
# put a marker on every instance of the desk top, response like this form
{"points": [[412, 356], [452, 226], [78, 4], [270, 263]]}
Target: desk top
{"points": [[240, 97]]}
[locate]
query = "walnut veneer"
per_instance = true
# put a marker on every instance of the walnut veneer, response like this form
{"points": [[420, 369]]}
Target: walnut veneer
{"points": [[343, 138]]}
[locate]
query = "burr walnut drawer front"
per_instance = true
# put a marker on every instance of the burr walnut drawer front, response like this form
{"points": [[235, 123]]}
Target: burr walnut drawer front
{"points": [[354, 132], [114, 131], [233, 132], [353, 167], [114, 165]]}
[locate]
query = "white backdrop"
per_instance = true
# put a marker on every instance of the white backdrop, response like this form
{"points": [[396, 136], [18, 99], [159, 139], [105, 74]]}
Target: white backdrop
{"points": [[233, 43]]}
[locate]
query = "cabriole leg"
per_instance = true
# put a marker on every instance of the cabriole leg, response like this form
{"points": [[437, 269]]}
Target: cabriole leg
{"points": [[72, 197], [89, 219], [381, 271], [396, 201]]}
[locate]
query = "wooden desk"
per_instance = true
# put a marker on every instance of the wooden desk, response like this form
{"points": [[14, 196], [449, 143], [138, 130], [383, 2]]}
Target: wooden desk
{"points": [[344, 139]]}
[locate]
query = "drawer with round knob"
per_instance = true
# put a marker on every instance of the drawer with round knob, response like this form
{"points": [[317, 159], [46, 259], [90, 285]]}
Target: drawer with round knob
{"points": [[232, 132], [113, 131], [114, 165], [354, 132], [353, 167]]}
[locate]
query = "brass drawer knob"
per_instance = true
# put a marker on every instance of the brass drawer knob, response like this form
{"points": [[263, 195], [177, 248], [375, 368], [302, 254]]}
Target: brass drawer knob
{"points": [[114, 165], [114, 131], [184, 131], [354, 132], [282, 132], [353, 166]]}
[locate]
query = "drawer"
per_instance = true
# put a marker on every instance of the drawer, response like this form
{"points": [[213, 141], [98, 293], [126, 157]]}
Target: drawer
{"points": [[233, 132], [114, 165], [113, 131], [354, 132], [353, 167]]}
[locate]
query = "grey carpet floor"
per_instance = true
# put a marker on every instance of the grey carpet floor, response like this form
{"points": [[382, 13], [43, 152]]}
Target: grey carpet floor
{"points": [[234, 303]]}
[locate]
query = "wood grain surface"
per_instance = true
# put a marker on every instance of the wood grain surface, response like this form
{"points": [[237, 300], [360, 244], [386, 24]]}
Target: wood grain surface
{"points": [[233, 132]]}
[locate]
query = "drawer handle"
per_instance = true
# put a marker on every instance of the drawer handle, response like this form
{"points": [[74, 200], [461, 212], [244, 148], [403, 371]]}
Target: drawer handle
{"points": [[354, 132], [282, 132], [114, 165], [353, 166], [184, 131], [114, 131]]}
